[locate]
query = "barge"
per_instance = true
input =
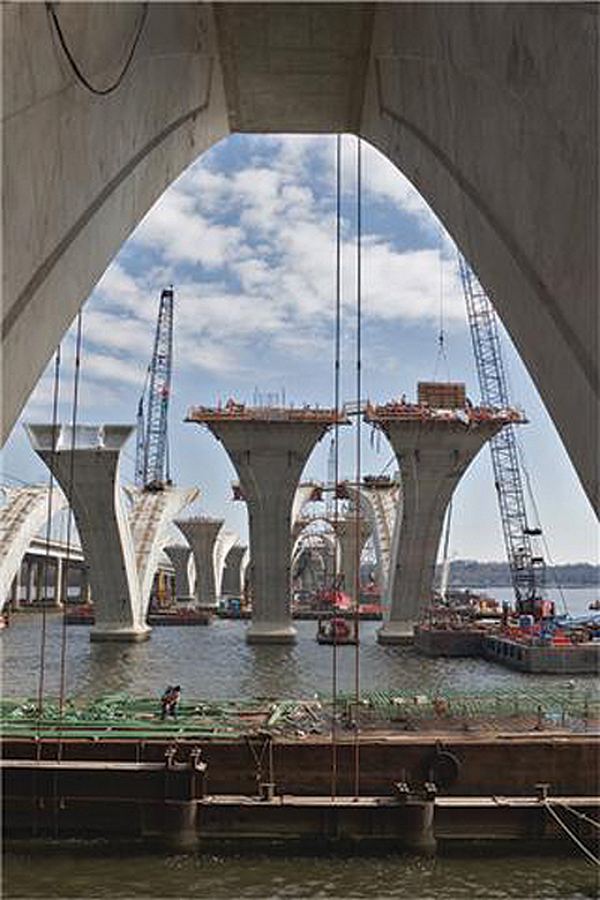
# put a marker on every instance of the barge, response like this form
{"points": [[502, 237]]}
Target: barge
{"points": [[252, 771]]}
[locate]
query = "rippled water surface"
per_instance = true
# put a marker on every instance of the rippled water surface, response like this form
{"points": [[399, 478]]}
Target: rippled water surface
{"points": [[216, 662], [90, 871]]}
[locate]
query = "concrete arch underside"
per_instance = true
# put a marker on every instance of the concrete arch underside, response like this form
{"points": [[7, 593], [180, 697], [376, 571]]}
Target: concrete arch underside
{"points": [[489, 109]]}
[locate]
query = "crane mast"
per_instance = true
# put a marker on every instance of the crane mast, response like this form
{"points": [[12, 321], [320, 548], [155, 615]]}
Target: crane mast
{"points": [[152, 470], [527, 569]]}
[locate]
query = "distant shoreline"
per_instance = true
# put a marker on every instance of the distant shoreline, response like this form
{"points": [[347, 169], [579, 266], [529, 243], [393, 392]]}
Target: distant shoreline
{"points": [[473, 574]]}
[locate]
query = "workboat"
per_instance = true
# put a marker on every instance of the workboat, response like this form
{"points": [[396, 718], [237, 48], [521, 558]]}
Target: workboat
{"points": [[336, 630]]}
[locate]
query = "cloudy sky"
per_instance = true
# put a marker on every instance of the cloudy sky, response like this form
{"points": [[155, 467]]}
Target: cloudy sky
{"points": [[247, 237]]}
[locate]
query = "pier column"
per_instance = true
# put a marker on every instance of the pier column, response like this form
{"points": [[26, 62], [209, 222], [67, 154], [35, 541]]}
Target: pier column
{"points": [[232, 584], [91, 461], [225, 542], [61, 573], [31, 574], [269, 448], [201, 534], [15, 598], [433, 454], [349, 531], [180, 555]]}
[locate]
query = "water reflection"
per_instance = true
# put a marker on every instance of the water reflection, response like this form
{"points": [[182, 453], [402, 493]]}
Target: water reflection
{"points": [[215, 662]]}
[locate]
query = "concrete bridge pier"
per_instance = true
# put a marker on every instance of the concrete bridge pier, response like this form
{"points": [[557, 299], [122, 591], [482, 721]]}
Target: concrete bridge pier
{"points": [[349, 533], [180, 555], [433, 454], [91, 461], [232, 584], [269, 448], [201, 533], [22, 517]]}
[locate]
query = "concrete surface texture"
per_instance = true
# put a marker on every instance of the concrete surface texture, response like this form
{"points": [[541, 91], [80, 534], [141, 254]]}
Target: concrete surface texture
{"points": [[305, 493], [86, 465], [269, 457], [181, 557], [432, 457], [315, 559], [490, 109], [149, 519], [382, 506], [352, 534], [201, 533], [225, 542], [232, 584], [24, 513]]}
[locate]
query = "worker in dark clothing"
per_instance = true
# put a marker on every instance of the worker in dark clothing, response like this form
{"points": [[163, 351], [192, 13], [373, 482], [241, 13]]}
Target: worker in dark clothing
{"points": [[169, 702]]}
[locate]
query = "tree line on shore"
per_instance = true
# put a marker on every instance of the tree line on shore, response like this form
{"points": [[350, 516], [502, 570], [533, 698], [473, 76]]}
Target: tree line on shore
{"points": [[473, 573]]}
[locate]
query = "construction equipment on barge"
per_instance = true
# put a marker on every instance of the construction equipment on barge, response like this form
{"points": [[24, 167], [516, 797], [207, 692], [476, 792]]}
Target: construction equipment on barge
{"points": [[527, 565]]}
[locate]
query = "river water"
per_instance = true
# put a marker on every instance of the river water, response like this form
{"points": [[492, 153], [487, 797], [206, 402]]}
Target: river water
{"points": [[216, 663]]}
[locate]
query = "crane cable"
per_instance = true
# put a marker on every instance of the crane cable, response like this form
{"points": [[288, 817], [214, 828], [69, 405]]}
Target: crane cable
{"points": [[532, 500], [587, 853], [83, 80], [51, 480], [441, 354], [336, 455], [70, 486], [358, 465]]}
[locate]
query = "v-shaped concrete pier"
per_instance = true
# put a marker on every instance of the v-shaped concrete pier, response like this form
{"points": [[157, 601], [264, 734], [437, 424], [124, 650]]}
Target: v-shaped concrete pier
{"points": [[202, 534], [269, 448], [434, 448], [121, 551]]}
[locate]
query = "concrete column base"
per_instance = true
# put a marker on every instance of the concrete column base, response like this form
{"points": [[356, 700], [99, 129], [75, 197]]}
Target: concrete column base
{"points": [[126, 635], [396, 633], [271, 633]]}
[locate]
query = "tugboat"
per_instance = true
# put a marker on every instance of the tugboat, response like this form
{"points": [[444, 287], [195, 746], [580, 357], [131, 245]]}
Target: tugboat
{"points": [[336, 630]]}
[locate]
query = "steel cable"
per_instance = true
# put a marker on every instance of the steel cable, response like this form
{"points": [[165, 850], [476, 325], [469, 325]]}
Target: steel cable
{"points": [[587, 853], [75, 409], [336, 457], [55, 396], [358, 464]]}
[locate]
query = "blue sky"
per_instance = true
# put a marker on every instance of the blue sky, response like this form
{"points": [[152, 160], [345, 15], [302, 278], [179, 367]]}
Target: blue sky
{"points": [[247, 238]]}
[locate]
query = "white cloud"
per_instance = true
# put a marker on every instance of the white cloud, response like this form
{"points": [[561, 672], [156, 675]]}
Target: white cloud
{"points": [[176, 228], [265, 232]]}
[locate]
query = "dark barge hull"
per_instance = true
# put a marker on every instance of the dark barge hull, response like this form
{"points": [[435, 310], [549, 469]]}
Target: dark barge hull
{"points": [[189, 792]]}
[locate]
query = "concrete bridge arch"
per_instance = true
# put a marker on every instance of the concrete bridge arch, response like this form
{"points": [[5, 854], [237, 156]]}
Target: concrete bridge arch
{"points": [[489, 109]]}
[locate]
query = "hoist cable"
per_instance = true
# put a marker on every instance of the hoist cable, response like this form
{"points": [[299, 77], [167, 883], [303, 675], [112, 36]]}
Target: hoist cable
{"points": [[55, 396], [70, 487], [101, 92], [441, 354], [358, 465], [336, 456], [538, 520]]}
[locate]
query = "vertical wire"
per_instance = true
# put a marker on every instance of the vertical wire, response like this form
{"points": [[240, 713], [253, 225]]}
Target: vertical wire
{"points": [[55, 396], [63, 643], [358, 464], [336, 456]]}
